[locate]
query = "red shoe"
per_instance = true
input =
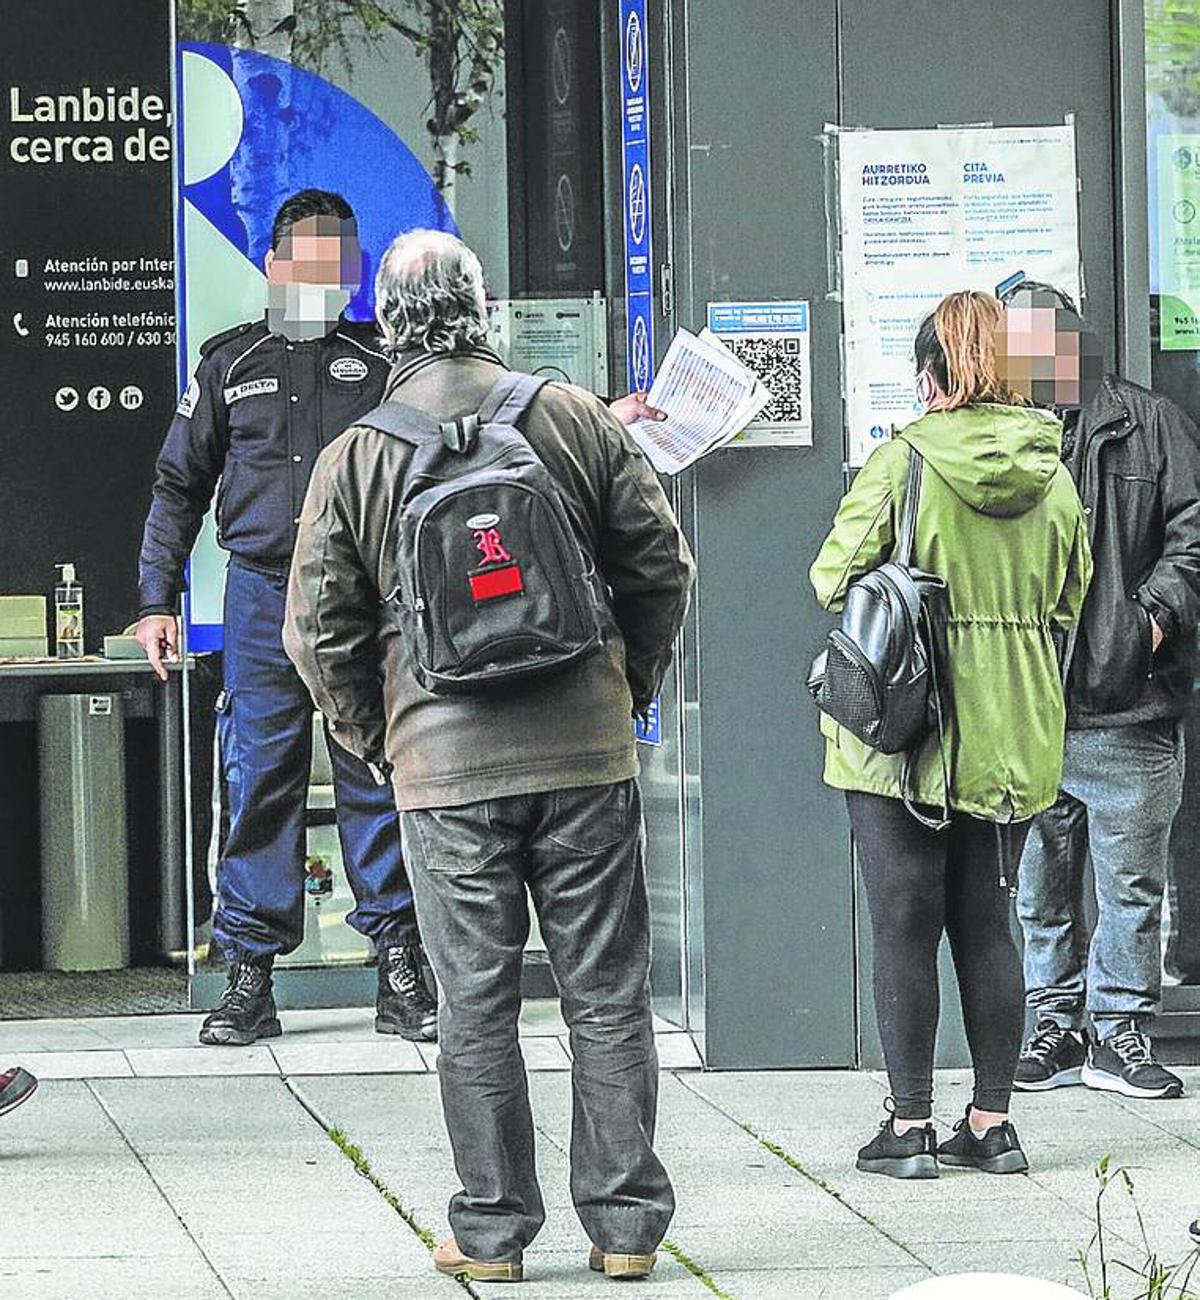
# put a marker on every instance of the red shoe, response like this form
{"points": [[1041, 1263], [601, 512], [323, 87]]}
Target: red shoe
{"points": [[16, 1086]]}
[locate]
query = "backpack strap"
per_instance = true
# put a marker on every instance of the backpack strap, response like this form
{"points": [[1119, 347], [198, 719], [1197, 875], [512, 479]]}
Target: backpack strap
{"points": [[906, 538], [510, 398], [402, 421]]}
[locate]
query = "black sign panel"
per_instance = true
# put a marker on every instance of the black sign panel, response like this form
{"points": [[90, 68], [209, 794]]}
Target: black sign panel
{"points": [[87, 314], [563, 149]]}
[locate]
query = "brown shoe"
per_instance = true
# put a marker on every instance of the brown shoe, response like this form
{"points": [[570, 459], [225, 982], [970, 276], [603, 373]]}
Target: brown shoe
{"points": [[449, 1259], [620, 1266]]}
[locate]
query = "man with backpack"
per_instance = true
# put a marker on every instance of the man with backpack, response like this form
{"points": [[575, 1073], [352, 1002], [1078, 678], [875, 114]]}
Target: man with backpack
{"points": [[487, 585]]}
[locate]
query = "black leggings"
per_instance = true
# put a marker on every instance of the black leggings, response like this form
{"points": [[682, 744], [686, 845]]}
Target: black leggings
{"points": [[920, 882]]}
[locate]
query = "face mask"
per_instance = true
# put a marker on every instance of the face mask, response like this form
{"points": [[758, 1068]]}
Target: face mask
{"points": [[302, 312]]}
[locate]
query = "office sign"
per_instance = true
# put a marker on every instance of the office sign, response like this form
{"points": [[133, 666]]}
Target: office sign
{"points": [[87, 333]]}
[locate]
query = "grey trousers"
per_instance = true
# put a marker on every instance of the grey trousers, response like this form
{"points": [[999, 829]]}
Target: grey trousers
{"points": [[579, 854], [1120, 792]]}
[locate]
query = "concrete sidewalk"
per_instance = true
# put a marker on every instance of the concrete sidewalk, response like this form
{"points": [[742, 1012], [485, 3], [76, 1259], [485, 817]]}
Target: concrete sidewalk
{"points": [[289, 1177]]}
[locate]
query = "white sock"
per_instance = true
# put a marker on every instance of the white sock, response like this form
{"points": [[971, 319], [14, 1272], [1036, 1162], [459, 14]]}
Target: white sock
{"points": [[902, 1126]]}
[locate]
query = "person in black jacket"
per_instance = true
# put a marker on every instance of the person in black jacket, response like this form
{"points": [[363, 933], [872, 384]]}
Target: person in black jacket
{"points": [[1128, 669], [266, 397]]}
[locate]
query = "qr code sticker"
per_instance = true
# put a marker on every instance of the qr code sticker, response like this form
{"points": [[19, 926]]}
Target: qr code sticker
{"points": [[778, 363]]}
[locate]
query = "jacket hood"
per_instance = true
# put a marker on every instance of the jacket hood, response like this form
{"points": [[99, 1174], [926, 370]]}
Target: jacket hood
{"points": [[1000, 460]]}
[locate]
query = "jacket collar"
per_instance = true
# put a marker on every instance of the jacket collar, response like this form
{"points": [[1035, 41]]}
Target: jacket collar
{"points": [[415, 360], [1107, 408]]}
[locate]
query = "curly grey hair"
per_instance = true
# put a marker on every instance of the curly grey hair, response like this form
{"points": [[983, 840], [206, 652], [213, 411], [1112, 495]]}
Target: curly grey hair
{"points": [[429, 294]]}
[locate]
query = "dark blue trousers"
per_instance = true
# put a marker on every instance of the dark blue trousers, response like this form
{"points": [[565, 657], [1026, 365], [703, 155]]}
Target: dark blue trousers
{"points": [[265, 732]]}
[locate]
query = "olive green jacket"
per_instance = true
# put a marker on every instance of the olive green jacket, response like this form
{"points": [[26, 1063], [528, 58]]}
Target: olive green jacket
{"points": [[1000, 520]]}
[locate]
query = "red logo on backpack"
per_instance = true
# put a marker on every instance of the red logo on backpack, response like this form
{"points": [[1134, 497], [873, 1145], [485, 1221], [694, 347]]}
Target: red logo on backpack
{"points": [[490, 581], [489, 545]]}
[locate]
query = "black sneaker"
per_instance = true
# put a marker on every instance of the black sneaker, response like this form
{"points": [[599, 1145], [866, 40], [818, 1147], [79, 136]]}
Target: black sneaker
{"points": [[16, 1085], [404, 1004], [997, 1152], [1124, 1062], [1052, 1058], [246, 1011], [908, 1155], [1194, 1230]]}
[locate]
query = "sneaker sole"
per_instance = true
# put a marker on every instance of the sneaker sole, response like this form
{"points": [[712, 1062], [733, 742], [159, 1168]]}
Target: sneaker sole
{"points": [[1102, 1081], [20, 1101], [228, 1037], [1008, 1162], [923, 1166], [383, 1026], [1063, 1079], [479, 1272]]}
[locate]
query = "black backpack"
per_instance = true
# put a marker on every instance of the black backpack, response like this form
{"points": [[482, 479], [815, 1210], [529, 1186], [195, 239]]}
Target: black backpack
{"points": [[878, 675], [494, 586]]}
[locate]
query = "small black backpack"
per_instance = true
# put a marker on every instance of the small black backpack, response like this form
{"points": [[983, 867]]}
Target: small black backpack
{"points": [[494, 586], [878, 675]]}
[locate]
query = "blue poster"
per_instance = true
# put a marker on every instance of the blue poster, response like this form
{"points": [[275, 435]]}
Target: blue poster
{"points": [[253, 129], [635, 144]]}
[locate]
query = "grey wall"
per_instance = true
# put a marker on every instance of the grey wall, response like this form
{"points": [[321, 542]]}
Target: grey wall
{"points": [[761, 81]]}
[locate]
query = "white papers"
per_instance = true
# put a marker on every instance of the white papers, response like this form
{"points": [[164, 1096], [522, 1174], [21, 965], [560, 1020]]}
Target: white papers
{"points": [[708, 396]]}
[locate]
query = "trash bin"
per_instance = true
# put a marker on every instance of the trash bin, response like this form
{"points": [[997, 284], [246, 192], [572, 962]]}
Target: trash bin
{"points": [[85, 858]]}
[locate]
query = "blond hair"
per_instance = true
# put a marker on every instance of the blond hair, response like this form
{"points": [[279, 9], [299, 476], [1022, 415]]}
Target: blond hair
{"points": [[957, 344]]}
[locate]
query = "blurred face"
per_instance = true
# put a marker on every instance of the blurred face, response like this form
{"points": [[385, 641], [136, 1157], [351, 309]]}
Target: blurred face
{"points": [[1044, 353], [312, 276]]}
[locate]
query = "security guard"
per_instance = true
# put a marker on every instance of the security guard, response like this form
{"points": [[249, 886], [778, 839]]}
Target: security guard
{"points": [[265, 398]]}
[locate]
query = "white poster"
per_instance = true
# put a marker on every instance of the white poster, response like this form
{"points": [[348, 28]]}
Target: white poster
{"points": [[926, 213]]}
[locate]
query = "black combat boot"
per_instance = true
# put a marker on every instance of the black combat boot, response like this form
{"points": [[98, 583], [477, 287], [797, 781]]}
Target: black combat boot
{"points": [[404, 1005], [246, 1011]]}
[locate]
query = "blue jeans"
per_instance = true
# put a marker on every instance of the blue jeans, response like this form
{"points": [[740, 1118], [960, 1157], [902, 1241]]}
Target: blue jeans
{"points": [[1121, 789], [265, 732]]}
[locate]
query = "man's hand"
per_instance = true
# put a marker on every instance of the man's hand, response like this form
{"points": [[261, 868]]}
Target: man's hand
{"points": [[1157, 634], [158, 635], [633, 407]]}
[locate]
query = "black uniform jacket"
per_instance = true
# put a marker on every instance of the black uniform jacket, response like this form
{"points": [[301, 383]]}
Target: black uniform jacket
{"points": [[255, 416]]}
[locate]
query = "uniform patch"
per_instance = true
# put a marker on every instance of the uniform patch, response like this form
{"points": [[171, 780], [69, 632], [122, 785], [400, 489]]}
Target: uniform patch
{"points": [[187, 403], [350, 370], [251, 388]]}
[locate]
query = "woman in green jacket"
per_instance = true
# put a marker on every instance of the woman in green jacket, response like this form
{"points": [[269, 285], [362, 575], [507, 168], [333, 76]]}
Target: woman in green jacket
{"points": [[1000, 521]]}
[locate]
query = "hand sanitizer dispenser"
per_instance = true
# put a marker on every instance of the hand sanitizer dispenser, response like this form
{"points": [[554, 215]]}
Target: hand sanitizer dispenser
{"points": [[68, 615]]}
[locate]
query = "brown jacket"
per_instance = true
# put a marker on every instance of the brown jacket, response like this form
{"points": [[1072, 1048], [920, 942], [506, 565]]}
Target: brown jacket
{"points": [[571, 729]]}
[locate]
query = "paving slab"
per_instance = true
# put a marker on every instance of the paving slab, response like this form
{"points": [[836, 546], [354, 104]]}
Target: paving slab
{"points": [[390, 1055], [820, 1284], [83, 1064], [117, 1277], [20, 1037], [198, 1061], [81, 1217], [266, 1194]]}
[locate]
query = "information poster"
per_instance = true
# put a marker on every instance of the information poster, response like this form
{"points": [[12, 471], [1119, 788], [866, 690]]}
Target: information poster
{"points": [[925, 213], [87, 333], [772, 339], [1179, 242]]}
